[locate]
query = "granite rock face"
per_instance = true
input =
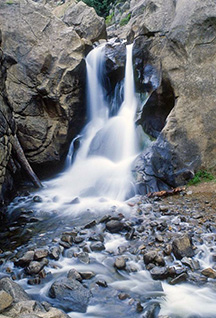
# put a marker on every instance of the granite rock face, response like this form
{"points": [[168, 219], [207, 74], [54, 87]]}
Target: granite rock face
{"points": [[177, 38]]}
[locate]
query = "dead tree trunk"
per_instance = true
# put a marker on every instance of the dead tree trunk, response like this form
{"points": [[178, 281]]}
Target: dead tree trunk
{"points": [[17, 148]]}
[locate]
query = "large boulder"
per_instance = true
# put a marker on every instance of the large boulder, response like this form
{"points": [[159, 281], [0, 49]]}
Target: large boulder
{"points": [[70, 294]]}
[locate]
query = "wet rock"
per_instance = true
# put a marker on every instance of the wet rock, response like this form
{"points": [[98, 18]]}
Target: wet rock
{"points": [[97, 237], [120, 262], [12, 288], [209, 272], [179, 279], [5, 300], [25, 259], [123, 296], [75, 201], [67, 238], [102, 283], [153, 257], [55, 252], [159, 272], [193, 264], [64, 244], [35, 267], [34, 281], [152, 310], [90, 224], [97, 247], [139, 307], [40, 253], [114, 226], [74, 274], [78, 239], [70, 294], [83, 257], [182, 247], [87, 275], [164, 208]]}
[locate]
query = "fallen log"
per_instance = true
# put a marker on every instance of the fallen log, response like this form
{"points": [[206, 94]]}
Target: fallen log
{"points": [[21, 158], [165, 193]]}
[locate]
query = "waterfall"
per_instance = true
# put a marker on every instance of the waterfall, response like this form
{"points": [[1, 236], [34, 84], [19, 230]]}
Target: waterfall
{"points": [[101, 166]]}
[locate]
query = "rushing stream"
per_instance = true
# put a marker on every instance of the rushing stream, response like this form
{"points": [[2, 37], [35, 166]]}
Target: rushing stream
{"points": [[96, 181]]}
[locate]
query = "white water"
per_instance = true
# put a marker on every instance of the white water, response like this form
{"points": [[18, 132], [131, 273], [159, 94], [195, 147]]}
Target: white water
{"points": [[101, 167]]}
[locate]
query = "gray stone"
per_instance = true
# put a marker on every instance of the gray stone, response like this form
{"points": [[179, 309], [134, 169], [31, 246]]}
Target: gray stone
{"points": [[153, 257], [159, 272], [97, 246], [25, 259], [74, 274], [35, 267], [40, 253], [114, 226], [120, 262], [70, 294], [87, 275], [15, 290], [55, 252], [182, 247]]}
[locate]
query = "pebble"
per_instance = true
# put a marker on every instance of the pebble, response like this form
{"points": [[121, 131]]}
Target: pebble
{"points": [[97, 246], [102, 283], [114, 226]]}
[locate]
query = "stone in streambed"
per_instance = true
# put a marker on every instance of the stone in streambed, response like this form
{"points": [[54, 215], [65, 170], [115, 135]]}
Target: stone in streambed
{"points": [[209, 272], [74, 274], [120, 263], [179, 279], [35, 267], [97, 246], [114, 226], [70, 294], [159, 272], [5, 300], [153, 257], [55, 252], [40, 253], [25, 259], [182, 247]]}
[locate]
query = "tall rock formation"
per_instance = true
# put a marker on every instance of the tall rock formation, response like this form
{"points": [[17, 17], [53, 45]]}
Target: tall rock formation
{"points": [[180, 36]]}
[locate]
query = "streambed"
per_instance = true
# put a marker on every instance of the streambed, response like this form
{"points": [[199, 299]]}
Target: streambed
{"points": [[112, 261]]}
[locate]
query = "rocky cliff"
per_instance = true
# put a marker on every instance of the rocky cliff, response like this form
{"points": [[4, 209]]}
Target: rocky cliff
{"points": [[45, 45], [180, 36]]}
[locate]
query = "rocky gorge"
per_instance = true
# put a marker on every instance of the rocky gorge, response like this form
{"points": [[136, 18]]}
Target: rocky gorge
{"points": [[61, 257]]}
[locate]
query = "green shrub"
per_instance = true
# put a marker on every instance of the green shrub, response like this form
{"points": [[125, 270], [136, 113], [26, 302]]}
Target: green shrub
{"points": [[125, 20], [109, 19], [9, 2], [201, 176]]}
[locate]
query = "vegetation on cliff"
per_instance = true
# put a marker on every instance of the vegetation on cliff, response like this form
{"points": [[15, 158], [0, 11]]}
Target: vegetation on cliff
{"points": [[102, 7]]}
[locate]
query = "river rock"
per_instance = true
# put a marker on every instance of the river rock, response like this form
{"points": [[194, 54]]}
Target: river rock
{"points": [[40, 253], [25, 259], [153, 257], [15, 290], [114, 226], [35, 267], [55, 252], [182, 247], [97, 246], [70, 294], [27, 307], [120, 262], [209, 272], [74, 274], [5, 300], [159, 272]]}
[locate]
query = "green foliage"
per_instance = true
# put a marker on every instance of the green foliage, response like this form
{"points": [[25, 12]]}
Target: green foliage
{"points": [[201, 176], [109, 19], [9, 2], [102, 7], [125, 20]]}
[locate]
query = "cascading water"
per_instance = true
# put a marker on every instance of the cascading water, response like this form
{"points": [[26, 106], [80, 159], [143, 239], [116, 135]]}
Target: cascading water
{"points": [[101, 167]]}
